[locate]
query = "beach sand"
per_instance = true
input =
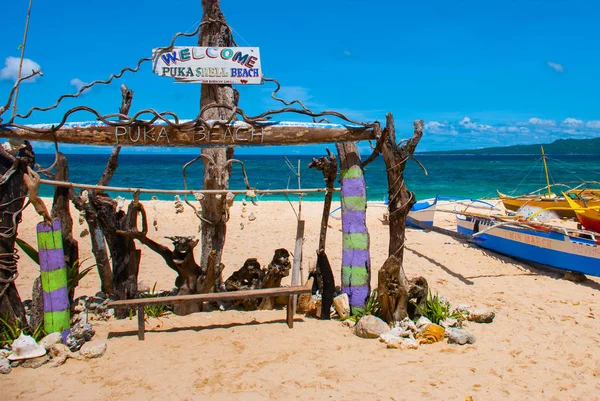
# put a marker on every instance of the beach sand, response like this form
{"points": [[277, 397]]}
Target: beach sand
{"points": [[543, 344]]}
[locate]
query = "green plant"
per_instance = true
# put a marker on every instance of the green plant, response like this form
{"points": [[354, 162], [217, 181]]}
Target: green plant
{"points": [[437, 309], [29, 250], [10, 332], [74, 275], [372, 307], [155, 311]]}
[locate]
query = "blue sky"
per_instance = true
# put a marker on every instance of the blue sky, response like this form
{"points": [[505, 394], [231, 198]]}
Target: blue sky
{"points": [[479, 73]]}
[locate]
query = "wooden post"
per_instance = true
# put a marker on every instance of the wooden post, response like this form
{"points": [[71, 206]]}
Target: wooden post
{"points": [[12, 196], [57, 314], [141, 323], [296, 266], [216, 175], [356, 260]]}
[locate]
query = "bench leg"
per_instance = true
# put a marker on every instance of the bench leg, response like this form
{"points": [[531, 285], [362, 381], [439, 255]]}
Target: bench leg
{"points": [[290, 311], [141, 323]]}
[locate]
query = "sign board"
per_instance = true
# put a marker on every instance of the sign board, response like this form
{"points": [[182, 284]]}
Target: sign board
{"points": [[209, 65]]}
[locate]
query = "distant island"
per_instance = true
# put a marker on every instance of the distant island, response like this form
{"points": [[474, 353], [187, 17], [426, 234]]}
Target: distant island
{"points": [[558, 147]]}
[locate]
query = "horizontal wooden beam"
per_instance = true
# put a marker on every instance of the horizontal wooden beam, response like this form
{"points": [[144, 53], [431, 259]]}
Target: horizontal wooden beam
{"points": [[236, 133], [215, 296]]}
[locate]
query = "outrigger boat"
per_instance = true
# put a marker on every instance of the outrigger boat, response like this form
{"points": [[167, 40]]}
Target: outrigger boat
{"points": [[570, 250], [557, 203], [589, 217]]}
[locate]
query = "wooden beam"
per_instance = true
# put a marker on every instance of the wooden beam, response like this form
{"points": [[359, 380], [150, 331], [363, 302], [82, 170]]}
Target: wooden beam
{"points": [[215, 296], [236, 133]]}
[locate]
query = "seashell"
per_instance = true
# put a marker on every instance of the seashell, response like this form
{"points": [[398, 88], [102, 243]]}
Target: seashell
{"points": [[25, 347], [431, 333]]}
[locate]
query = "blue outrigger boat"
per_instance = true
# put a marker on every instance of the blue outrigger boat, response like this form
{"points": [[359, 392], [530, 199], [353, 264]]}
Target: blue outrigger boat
{"points": [[570, 250]]}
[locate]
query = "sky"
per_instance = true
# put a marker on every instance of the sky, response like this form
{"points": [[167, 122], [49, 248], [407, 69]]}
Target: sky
{"points": [[480, 74]]}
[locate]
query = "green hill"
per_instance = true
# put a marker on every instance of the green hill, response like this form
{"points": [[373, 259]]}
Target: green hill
{"points": [[558, 147]]}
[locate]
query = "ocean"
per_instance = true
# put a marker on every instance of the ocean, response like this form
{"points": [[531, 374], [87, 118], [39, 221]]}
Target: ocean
{"points": [[461, 176]]}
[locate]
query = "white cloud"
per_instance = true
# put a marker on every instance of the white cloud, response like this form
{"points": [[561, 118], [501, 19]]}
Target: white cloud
{"points": [[539, 121], [572, 122], [555, 66], [11, 69], [290, 93], [78, 84], [477, 135]]}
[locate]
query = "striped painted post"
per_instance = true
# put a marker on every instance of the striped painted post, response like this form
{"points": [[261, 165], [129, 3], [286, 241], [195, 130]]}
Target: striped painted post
{"points": [[356, 261], [57, 314]]}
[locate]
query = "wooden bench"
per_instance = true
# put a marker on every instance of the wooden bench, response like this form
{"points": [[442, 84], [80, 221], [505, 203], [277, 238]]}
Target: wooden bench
{"points": [[290, 292]]}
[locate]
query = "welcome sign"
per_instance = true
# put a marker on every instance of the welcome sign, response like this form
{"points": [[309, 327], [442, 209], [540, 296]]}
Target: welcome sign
{"points": [[209, 65]]}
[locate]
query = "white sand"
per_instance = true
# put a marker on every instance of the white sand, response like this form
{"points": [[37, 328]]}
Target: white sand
{"points": [[543, 344]]}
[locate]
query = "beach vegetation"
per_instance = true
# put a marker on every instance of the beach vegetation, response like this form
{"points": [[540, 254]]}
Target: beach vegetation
{"points": [[436, 309], [155, 311], [74, 274], [372, 307], [9, 332]]}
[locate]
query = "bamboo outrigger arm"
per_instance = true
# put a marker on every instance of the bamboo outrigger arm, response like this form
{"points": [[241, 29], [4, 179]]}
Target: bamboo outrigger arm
{"points": [[214, 133]]}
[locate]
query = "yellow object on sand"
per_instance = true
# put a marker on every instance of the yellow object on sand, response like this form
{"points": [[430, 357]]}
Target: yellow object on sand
{"points": [[432, 333]]}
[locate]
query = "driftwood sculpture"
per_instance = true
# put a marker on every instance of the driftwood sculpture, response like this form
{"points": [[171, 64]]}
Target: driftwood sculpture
{"points": [[395, 291], [328, 166], [12, 198], [278, 269], [328, 284]]}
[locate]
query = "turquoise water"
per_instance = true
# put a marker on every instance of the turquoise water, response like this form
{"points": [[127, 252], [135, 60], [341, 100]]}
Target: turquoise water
{"points": [[450, 175]]}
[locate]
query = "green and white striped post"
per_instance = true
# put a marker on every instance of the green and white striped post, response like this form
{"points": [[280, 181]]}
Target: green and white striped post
{"points": [[57, 314]]}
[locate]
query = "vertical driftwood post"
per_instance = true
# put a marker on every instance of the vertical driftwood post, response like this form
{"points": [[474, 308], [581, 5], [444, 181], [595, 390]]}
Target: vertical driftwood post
{"points": [[356, 260], [394, 289], [57, 315], [326, 283], [12, 197], [61, 211], [216, 176]]}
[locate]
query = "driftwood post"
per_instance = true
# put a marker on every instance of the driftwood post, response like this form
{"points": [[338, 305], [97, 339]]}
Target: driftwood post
{"points": [[12, 197], [394, 289], [61, 211], [326, 283], [216, 175], [356, 260]]}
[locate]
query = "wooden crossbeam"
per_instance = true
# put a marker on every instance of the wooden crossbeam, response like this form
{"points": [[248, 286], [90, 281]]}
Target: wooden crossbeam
{"points": [[214, 296], [236, 133]]}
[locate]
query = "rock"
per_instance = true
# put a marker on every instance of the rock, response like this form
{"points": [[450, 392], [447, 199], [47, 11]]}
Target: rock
{"points": [[318, 308], [101, 295], [306, 305], [370, 326], [460, 336], [349, 323], [252, 217], [15, 364], [93, 349], [423, 321], [448, 322], [431, 333], [342, 306], [395, 334], [51, 339], [84, 331], [35, 362], [5, 367], [4, 353], [79, 306], [462, 308], [59, 354], [80, 318], [574, 277], [25, 347], [143, 287], [481, 316], [403, 343], [408, 324]]}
